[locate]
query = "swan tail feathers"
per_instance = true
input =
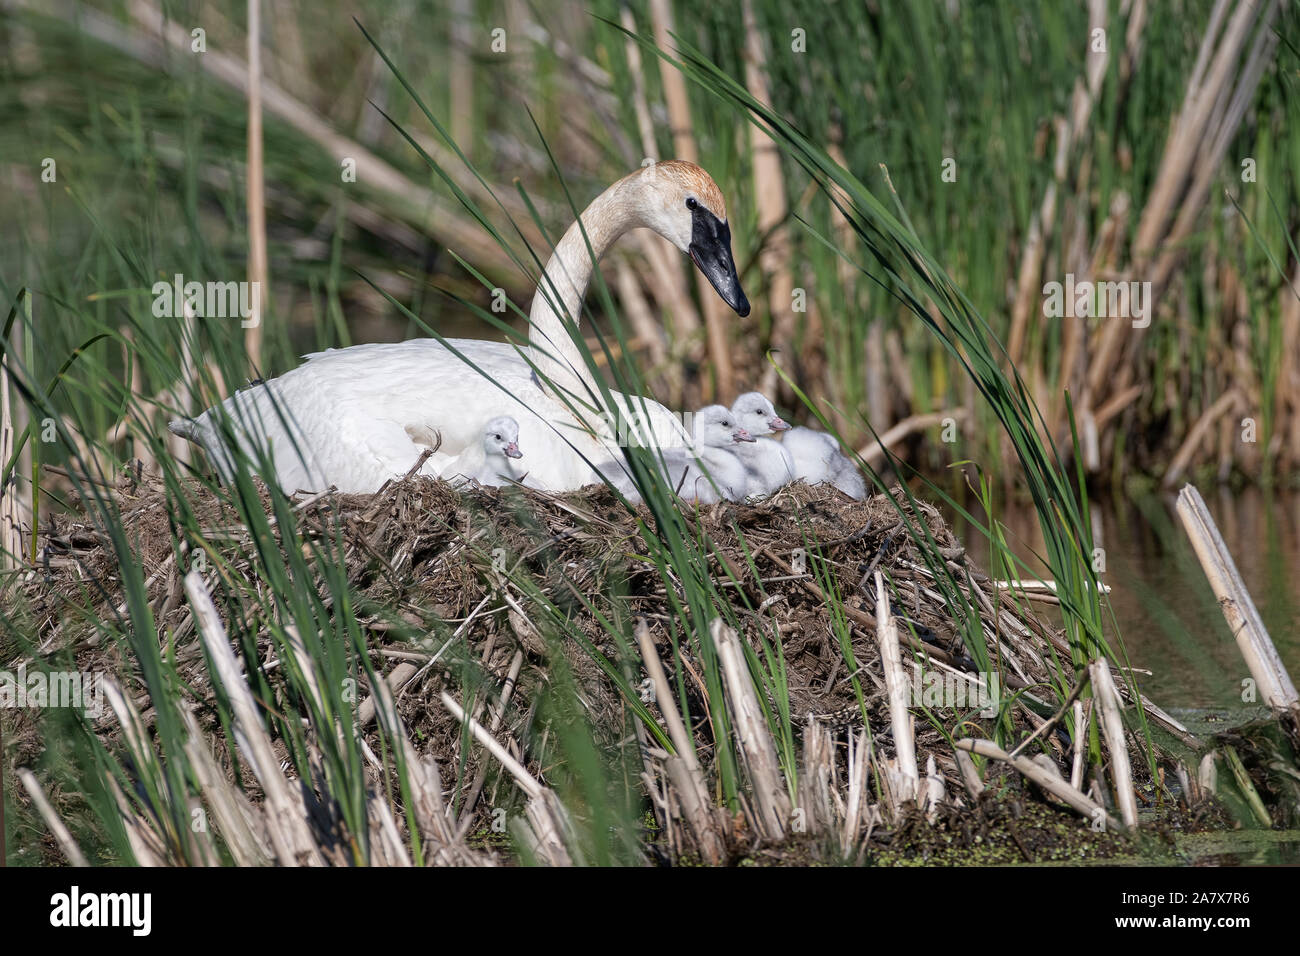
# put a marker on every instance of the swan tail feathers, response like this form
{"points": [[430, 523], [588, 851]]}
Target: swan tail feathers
{"points": [[187, 428]]}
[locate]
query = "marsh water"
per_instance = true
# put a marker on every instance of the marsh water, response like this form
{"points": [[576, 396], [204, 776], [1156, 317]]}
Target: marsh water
{"points": [[1167, 618], [1170, 625]]}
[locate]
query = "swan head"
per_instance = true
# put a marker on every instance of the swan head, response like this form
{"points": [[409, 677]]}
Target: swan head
{"points": [[684, 205], [501, 437], [754, 410], [716, 427]]}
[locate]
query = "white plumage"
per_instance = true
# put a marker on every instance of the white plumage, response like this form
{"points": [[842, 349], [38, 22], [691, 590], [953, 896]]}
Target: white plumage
{"points": [[768, 464], [357, 417], [706, 471], [491, 461], [818, 460], [768, 467]]}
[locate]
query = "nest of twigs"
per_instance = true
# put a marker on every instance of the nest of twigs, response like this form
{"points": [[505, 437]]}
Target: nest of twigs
{"points": [[431, 566]]}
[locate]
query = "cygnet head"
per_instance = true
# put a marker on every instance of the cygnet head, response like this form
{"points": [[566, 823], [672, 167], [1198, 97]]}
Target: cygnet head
{"points": [[755, 412], [716, 427], [682, 203], [501, 437]]}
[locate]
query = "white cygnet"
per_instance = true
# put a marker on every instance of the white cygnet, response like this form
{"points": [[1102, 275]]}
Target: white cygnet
{"points": [[768, 464], [489, 462], [818, 460], [707, 471]]}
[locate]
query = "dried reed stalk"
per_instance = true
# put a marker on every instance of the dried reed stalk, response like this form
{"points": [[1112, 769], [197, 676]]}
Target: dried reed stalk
{"points": [[52, 820], [769, 195], [258, 266], [667, 266], [819, 798], [1082, 711], [859, 765], [1219, 92], [417, 205], [1247, 627], [1226, 404], [900, 718], [548, 822], [873, 453], [291, 840], [1052, 783], [1112, 725], [683, 768], [970, 775], [11, 534], [679, 121], [767, 782], [237, 820]]}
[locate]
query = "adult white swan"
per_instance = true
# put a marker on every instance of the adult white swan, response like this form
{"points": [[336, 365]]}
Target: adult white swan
{"points": [[356, 417]]}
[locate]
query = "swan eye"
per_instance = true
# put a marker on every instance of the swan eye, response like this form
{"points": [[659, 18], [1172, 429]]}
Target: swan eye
{"points": [[498, 437], [691, 202]]}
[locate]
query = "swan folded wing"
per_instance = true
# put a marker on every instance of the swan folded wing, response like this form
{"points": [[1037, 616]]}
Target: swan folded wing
{"points": [[263, 420], [812, 453], [769, 467], [356, 417]]}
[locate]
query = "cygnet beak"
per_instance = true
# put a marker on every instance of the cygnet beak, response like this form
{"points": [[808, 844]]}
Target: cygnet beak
{"points": [[742, 435], [778, 424], [512, 451]]}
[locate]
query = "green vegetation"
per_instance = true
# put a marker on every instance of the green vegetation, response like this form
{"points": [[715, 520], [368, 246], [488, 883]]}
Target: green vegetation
{"points": [[911, 288]]}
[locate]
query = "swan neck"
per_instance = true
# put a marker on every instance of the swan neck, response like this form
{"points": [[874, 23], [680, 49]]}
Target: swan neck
{"points": [[556, 313]]}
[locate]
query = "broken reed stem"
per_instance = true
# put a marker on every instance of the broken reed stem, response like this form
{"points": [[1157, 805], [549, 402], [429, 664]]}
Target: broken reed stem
{"points": [[682, 767], [11, 535], [897, 686], [286, 817], [52, 820], [234, 816], [1106, 695], [1052, 783], [716, 320], [1239, 610], [1228, 401], [873, 453], [859, 758], [1081, 713], [258, 266], [476, 789], [527, 782], [970, 775], [749, 726], [548, 821]]}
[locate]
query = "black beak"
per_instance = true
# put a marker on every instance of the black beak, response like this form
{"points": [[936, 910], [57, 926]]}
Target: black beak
{"points": [[710, 249]]}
